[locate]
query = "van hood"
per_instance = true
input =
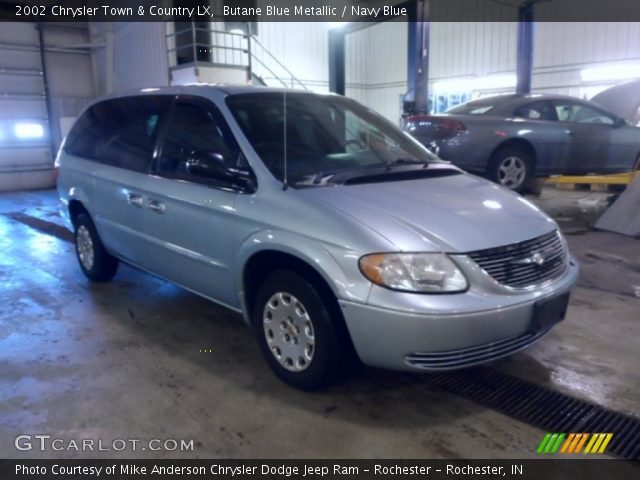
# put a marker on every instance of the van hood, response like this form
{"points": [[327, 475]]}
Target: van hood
{"points": [[458, 213]]}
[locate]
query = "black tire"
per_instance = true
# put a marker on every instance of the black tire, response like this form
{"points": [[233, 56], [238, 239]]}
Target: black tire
{"points": [[333, 355], [103, 266], [512, 157]]}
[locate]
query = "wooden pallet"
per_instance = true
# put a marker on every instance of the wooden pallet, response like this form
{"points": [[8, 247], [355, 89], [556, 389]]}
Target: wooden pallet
{"points": [[596, 183]]}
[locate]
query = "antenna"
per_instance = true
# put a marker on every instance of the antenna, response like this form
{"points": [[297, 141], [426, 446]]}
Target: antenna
{"points": [[285, 182]]}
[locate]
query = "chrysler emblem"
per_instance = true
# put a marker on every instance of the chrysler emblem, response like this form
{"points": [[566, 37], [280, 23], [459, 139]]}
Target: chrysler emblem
{"points": [[537, 259]]}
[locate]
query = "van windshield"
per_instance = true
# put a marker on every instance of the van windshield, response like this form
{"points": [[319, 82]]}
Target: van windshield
{"points": [[327, 136]]}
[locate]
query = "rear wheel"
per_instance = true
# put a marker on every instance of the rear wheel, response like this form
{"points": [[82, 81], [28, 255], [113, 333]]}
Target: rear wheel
{"points": [[512, 168], [299, 334], [95, 261]]}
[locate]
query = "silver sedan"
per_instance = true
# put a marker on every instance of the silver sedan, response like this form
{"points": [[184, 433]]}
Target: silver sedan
{"points": [[514, 138]]}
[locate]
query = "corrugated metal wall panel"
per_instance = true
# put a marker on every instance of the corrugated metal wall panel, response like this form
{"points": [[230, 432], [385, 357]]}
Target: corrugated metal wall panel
{"points": [[471, 49], [303, 47], [561, 51], [140, 55], [376, 67], [583, 45]]}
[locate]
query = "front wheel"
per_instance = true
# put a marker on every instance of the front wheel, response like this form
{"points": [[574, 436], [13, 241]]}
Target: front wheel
{"points": [[511, 168], [95, 261], [299, 334]]}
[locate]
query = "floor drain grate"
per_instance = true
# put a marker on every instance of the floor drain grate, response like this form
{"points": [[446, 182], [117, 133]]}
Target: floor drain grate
{"points": [[542, 407]]}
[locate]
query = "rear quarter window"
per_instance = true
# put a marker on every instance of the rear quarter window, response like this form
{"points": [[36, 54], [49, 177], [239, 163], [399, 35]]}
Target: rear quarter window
{"points": [[120, 132]]}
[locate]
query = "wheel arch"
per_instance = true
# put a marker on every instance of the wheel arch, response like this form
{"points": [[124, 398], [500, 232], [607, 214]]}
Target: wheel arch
{"points": [[519, 143], [260, 264], [76, 207]]}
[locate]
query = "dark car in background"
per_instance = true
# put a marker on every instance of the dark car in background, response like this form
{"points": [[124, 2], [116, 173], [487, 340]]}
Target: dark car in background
{"points": [[515, 138]]}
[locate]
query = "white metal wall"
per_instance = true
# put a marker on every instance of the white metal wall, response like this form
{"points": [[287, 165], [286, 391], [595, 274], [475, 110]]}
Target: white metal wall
{"points": [[303, 47], [140, 55], [462, 51], [563, 50], [376, 67]]}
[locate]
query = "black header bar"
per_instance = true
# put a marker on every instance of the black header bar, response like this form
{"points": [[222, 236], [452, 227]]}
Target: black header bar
{"points": [[313, 10], [582, 469]]}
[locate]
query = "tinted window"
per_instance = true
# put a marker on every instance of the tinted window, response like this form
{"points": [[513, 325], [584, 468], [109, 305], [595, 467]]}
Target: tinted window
{"points": [[196, 129], [580, 113], [119, 132], [537, 111], [477, 107]]}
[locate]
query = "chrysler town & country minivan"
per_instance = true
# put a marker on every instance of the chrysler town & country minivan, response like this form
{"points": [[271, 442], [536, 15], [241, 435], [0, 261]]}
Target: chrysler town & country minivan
{"points": [[337, 236]]}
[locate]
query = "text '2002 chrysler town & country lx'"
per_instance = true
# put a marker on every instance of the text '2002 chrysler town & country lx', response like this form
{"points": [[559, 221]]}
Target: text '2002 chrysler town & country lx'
{"points": [[335, 234]]}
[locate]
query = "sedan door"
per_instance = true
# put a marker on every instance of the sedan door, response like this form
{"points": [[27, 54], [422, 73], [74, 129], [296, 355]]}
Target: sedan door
{"points": [[191, 217], [593, 140]]}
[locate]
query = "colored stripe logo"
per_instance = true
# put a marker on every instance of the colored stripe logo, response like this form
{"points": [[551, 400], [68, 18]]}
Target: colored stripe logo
{"points": [[573, 443]]}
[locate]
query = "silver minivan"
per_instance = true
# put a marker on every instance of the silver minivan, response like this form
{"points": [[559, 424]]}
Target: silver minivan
{"points": [[338, 237]]}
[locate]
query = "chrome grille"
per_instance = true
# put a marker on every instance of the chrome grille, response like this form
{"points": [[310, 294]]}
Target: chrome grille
{"points": [[524, 264]]}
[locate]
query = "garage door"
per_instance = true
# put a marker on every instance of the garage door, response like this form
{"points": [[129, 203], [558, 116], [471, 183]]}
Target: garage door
{"points": [[25, 147]]}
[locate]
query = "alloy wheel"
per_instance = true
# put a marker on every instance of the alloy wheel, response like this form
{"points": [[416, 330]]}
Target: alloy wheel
{"points": [[512, 172]]}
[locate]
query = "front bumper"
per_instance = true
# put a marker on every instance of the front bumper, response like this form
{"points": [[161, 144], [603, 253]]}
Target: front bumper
{"points": [[447, 332]]}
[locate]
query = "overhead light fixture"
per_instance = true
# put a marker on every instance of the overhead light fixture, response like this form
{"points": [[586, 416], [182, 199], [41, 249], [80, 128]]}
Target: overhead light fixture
{"points": [[624, 71], [490, 82], [28, 130], [237, 31]]}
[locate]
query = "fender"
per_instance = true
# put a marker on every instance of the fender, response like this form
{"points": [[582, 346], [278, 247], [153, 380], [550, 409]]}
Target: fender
{"points": [[74, 193], [320, 257]]}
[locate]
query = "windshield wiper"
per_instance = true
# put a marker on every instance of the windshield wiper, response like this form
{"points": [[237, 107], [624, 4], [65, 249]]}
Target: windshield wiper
{"points": [[408, 161], [317, 178]]}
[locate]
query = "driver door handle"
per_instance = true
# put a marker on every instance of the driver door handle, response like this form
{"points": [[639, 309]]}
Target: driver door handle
{"points": [[570, 133], [156, 206], [135, 200]]}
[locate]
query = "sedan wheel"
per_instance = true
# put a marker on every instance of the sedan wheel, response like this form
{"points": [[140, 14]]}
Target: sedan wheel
{"points": [[512, 172], [512, 167]]}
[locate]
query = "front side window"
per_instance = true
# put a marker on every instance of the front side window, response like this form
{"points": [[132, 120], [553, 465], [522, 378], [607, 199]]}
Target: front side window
{"points": [[120, 132], [580, 113], [537, 111], [196, 137], [321, 135]]}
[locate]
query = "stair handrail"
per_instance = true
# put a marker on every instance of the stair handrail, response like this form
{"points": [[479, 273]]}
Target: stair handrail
{"points": [[253, 39]]}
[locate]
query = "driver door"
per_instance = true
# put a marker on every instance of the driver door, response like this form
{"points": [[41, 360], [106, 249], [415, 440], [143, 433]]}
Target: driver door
{"points": [[589, 137], [192, 217]]}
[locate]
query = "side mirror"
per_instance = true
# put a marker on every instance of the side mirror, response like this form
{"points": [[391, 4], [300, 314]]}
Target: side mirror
{"points": [[213, 165], [619, 122]]}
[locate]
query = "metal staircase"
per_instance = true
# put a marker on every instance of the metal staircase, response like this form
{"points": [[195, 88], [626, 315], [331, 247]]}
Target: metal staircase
{"points": [[200, 53]]}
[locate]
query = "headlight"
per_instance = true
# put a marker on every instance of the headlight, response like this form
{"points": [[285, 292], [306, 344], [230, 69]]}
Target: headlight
{"points": [[414, 272]]}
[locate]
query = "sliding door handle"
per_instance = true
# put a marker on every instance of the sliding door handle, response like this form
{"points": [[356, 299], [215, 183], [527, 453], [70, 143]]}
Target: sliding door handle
{"points": [[156, 206], [135, 200]]}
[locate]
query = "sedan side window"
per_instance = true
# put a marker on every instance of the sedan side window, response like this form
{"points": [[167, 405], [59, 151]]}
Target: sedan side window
{"points": [[580, 113], [197, 141], [537, 111]]}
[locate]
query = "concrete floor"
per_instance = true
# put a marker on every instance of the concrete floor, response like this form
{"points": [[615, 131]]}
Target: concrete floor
{"points": [[124, 360]]}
